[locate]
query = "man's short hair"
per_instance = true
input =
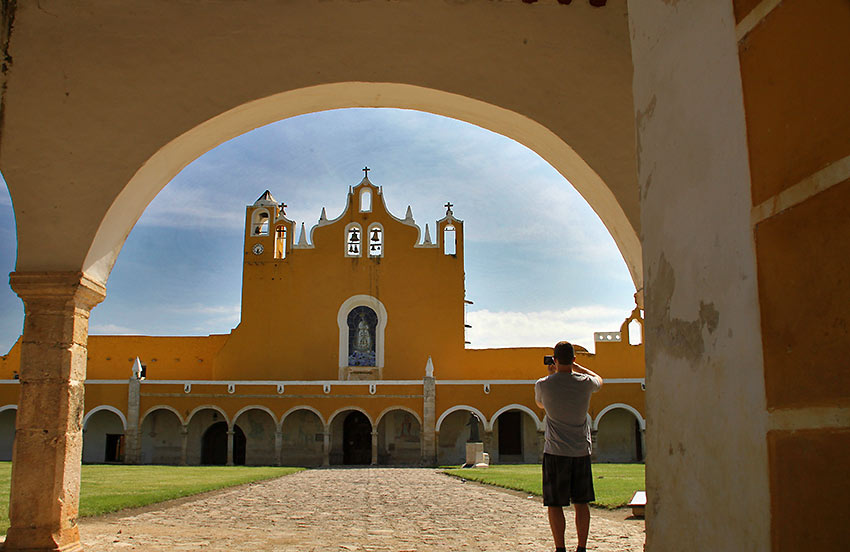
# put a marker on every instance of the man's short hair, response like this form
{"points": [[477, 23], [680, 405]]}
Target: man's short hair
{"points": [[564, 352]]}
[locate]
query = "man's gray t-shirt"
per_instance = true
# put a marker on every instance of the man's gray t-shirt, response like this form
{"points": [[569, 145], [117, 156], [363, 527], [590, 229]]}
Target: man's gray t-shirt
{"points": [[566, 397]]}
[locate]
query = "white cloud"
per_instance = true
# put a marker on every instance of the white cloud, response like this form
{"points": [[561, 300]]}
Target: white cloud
{"points": [[542, 328], [112, 329]]}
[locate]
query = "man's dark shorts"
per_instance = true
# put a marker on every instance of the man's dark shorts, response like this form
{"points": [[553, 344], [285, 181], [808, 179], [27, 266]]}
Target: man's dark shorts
{"points": [[565, 479]]}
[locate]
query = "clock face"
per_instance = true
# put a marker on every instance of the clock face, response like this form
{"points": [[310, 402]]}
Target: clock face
{"points": [[257, 249]]}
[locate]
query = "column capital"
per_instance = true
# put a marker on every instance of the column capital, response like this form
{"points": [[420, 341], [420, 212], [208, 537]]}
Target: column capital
{"points": [[58, 286]]}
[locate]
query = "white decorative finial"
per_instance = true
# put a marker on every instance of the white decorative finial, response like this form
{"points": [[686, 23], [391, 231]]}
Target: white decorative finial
{"points": [[324, 216], [303, 239], [429, 368], [427, 235], [408, 217], [137, 368]]}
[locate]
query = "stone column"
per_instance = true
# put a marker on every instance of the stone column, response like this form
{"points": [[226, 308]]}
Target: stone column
{"points": [[374, 447], [45, 486], [230, 433], [132, 444], [429, 421], [326, 448], [488, 445], [184, 445], [278, 446]]}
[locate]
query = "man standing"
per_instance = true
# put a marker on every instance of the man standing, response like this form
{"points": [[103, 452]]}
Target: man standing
{"points": [[565, 395]]}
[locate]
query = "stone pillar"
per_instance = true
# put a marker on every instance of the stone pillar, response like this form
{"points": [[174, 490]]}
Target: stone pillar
{"points": [[326, 448], [230, 433], [184, 445], [45, 485], [541, 442], [374, 447], [488, 445], [132, 435], [429, 421], [278, 446]]}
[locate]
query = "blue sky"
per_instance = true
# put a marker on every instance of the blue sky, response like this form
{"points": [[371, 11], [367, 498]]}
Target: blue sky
{"points": [[540, 266]]}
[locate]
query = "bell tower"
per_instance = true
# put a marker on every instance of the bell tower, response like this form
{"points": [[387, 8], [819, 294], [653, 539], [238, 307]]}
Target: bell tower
{"points": [[268, 233]]}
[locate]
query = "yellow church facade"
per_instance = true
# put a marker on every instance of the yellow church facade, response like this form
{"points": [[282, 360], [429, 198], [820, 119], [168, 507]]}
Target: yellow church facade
{"points": [[351, 350]]}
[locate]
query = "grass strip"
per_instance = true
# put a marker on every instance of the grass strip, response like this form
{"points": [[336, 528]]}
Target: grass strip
{"points": [[614, 484], [108, 488]]}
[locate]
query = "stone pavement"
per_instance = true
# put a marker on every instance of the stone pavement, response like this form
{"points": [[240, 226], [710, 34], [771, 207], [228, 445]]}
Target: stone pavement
{"points": [[338, 510]]}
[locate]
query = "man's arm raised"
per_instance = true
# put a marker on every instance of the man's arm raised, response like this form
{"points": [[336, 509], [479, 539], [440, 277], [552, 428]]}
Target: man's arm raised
{"points": [[582, 370]]}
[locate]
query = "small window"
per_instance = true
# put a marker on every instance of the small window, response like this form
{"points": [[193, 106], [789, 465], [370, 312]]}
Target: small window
{"points": [[280, 242], [376, 241], [260, 223], [353, 240], [365, 201], [449, 240], [635, 332]]}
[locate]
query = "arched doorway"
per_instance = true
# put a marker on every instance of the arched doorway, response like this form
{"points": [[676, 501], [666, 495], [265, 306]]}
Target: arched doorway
{"points": [[454, 430], [618, 437], [399, 438], [214, 445], [303, 439], [259, 435], [356, 439], [103, 438], [161, 437]]}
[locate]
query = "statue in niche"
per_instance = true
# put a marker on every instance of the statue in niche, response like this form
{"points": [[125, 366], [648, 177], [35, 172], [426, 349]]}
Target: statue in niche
{"points": [[362, 325]]}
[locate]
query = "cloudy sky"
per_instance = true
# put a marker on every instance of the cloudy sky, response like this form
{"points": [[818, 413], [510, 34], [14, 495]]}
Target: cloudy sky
{"points": [[540, 266]]}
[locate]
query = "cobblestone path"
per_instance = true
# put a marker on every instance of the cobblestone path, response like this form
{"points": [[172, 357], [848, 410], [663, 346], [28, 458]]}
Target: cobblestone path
{"points": [[368, 509]]}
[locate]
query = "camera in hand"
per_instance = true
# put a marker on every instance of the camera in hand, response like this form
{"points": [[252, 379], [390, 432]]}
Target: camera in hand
{"points": [[548, 360]]}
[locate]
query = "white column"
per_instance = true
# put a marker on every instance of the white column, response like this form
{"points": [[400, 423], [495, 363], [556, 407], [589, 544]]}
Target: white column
{"points": [[374, 447]]}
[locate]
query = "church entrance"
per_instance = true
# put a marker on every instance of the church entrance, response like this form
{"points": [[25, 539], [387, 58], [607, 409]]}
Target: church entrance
{"points": [[356, 439], [214, 445]]}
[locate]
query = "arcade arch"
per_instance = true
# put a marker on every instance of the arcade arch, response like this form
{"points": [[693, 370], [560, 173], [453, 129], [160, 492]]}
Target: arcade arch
{"points": [[8, 414], [399, 437], [103, 435], [515, 435], [619, 434], [351, 432], [454, 428], [162, 437], [303, 437], [260, 428]]}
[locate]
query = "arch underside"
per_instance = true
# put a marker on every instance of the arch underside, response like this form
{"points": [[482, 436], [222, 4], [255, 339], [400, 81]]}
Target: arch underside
{"points": [[172, 157]]}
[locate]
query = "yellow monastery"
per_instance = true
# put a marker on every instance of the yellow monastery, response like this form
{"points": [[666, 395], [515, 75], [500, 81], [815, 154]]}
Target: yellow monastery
{"points": [[351, 350]]}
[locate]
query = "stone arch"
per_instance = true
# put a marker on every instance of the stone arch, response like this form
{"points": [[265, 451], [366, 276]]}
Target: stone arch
{"points": [[453, 431], [468, 408], [351, 452], [162, 407], [624, 406], [537, 421], [8, 416], [103, 435], [400, 436], [197, 423], [619, 434], [514, 428], [163, 165], [342, 322], [161, 436], [260, 434], [303, 433], [304, 407], [102, 408], [205, 407]]}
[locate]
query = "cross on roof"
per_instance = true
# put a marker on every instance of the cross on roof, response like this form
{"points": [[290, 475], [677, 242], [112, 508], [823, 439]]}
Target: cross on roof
{"points": [[448, 207], [282, 207], [366, 171]]}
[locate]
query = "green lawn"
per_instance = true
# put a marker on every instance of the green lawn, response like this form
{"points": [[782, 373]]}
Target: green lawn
{"points": [[614, 483], [107, 488]]}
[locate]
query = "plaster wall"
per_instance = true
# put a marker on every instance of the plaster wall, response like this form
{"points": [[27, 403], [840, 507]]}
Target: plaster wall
{"points": [[706, 489], [259, 429]]}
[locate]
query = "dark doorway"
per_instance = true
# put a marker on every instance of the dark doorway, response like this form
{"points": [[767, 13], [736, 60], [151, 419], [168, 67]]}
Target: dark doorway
{"points": [[214, 445], [356, 439], [114, 448], [510, 433]]}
